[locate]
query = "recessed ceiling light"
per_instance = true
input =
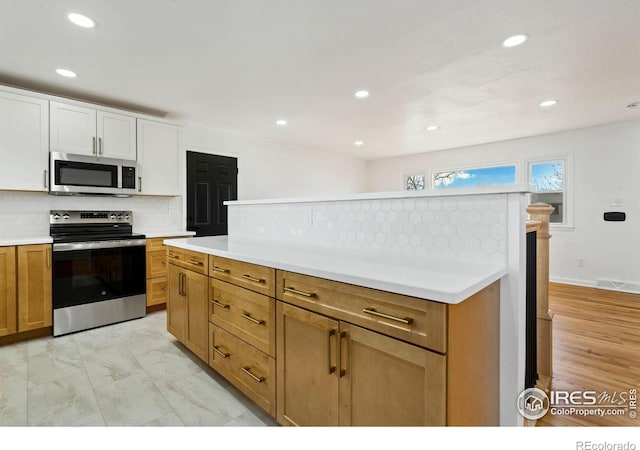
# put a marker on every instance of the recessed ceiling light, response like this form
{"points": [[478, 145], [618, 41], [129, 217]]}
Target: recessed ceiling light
{"points": [[548, 103], [281, 122], [432, 127], [362, 94], [358, 143], [82, 21], [514, 41], [66, 73]]}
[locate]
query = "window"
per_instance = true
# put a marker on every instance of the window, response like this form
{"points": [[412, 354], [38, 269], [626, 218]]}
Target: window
{"points": [[414, 182], [549, 179], [485, 176]]}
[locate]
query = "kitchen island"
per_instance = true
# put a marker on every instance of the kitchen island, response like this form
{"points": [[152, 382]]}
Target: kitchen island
{"points": [[364, 282]]}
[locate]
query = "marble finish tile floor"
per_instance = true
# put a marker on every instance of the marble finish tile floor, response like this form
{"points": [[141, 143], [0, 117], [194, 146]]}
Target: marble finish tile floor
{"points": [[128, 374]]}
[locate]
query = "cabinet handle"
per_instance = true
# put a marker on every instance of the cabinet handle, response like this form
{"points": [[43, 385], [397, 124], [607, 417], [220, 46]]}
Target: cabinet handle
{"points": [[247, 370], [295, 291], [48, 257], [341, 372], [330, 335], [373, 312], [184, 285], [255, 280], [197, 263], [221, 305], [46, 178], [179, 284], [139, 184], [99, 146], [94, 145], [172, 256], [220, 352], [220, 269], [164, 263], [251, 319]]}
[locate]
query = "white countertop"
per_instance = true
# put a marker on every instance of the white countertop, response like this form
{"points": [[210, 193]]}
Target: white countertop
{"points": [[482, 190], [30, 240], [440, 280], [157, 234]]}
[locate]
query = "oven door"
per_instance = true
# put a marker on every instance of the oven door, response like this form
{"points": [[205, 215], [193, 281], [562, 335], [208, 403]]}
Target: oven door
{"points": [[90, 272]]}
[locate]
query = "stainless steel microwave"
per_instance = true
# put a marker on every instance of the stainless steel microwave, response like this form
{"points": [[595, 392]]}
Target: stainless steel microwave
{"points": [[80, 174]]}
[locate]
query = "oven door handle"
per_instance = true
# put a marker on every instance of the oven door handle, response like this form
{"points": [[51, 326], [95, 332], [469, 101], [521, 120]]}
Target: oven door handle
{"points": [[72, 246]]}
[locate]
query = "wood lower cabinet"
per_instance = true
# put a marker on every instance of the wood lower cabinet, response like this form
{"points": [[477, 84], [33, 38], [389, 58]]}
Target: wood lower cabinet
{"points": [[333, 373], [8, 299], [156, 262], [25, 288], [187, 310], [34, 287], [307, 352]]}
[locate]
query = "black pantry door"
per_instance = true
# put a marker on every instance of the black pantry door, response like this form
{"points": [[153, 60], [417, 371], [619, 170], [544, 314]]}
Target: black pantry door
{"points": [[211, 180]]}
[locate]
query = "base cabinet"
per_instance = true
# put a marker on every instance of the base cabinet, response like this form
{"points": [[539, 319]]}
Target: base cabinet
{"points": [[187, 310], [333, 373], [25, 288], [34, 287], [8, 299]]}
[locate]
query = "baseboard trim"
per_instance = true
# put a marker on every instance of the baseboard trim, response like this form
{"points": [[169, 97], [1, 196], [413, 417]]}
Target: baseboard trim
{"points": [[573, 282]]}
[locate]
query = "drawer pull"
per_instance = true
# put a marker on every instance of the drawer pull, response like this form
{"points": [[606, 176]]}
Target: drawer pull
{"points": [[247, 370], [255, 280], [373, 312], [163, 262], [197, 263], [221, 305], [220, 269], [295, 291], [173, 256], [251, 319], [220, 352]]}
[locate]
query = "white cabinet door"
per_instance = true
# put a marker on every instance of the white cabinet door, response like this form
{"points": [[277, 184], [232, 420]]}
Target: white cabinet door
{"points": [[24, 153], [158, 145], [73, 129], [116, 135]]}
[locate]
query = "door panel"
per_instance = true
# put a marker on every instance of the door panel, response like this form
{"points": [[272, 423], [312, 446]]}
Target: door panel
{"points": [[388, 382], [8, 305], [211, 180], [306, 360], [176, 304], [197, 290], [34, 287]]}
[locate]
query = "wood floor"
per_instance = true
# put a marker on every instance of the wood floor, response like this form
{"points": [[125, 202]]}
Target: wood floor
{"points": [[596, 346]]}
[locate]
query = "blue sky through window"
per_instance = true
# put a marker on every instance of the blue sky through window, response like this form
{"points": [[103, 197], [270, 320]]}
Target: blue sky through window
{"points": [[547, 176], [487, 176]]}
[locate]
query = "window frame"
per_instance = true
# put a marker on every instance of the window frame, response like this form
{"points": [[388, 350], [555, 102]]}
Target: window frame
{"points": [[414, 174], [516, 165], [567, 160]]}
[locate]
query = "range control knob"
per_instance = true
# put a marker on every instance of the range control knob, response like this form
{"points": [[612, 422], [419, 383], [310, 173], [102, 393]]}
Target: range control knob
{"points": [[119, 216], [126, 217], [56, 217], [112, 217], [65, 216]]}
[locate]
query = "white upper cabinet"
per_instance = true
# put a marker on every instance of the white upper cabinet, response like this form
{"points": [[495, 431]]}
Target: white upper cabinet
{"points": [[158, 145], [86, 131], [24, 153]]}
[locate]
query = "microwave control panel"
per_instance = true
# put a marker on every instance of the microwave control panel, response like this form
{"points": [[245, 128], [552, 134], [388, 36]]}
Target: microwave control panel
{"points": [[128, 177]]}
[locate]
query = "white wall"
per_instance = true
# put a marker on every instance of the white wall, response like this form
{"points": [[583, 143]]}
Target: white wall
{"points": [[269, 169], [604, 163]]}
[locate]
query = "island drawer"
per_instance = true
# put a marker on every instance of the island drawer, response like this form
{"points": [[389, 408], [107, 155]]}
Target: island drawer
{"points": [[156, 264], [198, 262], [421, 322], [249, 369], [256, 278], [246, 314]]}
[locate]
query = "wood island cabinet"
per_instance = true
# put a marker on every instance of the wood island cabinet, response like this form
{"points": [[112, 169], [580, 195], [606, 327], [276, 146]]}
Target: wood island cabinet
{"points": [[315, 352], [187, 306], [156, 262]]}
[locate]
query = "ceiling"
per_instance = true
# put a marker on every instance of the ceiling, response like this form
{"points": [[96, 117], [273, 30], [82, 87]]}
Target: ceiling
{"points": [[242, 64]]}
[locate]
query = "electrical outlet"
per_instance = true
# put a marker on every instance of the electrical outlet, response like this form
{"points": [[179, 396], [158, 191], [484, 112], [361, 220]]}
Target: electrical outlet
{"points": [[581, 262]]}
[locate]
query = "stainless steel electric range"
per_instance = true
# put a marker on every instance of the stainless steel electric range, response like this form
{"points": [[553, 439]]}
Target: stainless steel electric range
{"points": [[98, 269]]}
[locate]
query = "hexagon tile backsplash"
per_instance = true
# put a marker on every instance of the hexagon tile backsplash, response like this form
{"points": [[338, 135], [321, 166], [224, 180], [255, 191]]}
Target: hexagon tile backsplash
{"points": [[465, 228]]}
